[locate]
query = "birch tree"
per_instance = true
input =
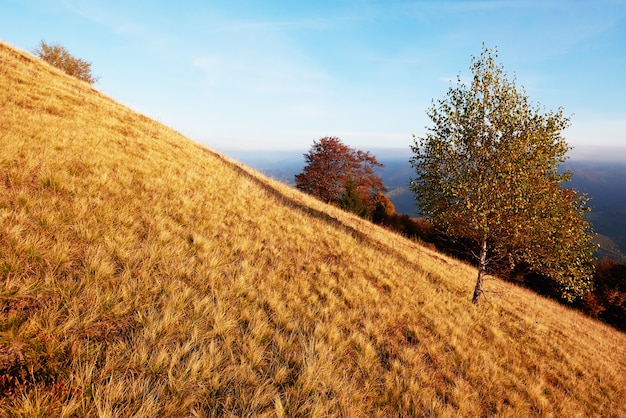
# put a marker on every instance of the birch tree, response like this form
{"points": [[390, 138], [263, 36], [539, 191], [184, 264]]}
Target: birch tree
{"points": [[486, 172]]}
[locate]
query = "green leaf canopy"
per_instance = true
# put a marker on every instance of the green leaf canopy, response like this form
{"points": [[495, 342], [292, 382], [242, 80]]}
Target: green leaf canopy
{"points": [[487, 172]]}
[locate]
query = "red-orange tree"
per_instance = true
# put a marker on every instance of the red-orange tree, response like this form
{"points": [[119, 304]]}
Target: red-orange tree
{"points": [[331, 165]]}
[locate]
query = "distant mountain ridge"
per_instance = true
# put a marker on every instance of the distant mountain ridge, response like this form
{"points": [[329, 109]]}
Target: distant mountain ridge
{"points": [[605, 183]]}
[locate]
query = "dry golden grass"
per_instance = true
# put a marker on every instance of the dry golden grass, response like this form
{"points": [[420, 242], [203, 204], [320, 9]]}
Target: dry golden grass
{"points": [[142, 274]]}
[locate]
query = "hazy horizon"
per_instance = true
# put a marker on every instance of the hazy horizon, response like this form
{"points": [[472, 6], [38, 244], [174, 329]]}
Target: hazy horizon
{"points": [[577, 153]]}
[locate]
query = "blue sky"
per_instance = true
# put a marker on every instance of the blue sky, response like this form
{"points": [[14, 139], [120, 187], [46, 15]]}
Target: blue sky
{"points": [[245, 74]]}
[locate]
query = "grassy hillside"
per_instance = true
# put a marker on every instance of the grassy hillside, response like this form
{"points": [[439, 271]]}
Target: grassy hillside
{"points": [[144, 275]]}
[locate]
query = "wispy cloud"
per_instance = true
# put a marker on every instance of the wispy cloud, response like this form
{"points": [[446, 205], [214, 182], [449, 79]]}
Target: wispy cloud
{"points": [[93, 11], [264, 25], [307, 111], [260, 57], [488, 6], [130, 23], [260, 72]]}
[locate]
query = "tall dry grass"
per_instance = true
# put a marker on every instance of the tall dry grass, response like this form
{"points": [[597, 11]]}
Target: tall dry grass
{"points": [[142, 274]]}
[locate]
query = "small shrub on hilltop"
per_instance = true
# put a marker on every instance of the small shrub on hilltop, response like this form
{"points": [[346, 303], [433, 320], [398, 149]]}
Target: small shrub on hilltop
{"points": [[60, 57]]}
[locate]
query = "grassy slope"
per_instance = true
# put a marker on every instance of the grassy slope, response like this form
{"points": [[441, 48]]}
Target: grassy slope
{"points": [[142, 274]]}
